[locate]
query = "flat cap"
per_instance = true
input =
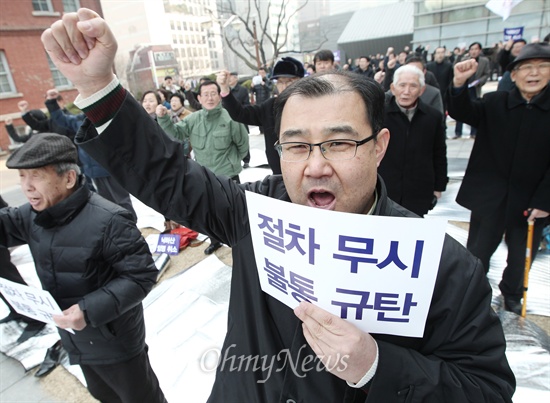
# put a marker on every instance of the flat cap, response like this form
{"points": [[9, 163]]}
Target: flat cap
{"points": [[43, 149]]}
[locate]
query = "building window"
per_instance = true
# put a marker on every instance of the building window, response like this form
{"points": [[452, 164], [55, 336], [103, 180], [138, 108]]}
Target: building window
{"points": [[71, 6], [59, 79], [42, 5], [7, 85]]}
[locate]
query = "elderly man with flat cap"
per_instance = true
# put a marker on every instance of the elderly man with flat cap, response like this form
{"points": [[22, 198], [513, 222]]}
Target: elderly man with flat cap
{"points": [[91, 257], [507, 181]]}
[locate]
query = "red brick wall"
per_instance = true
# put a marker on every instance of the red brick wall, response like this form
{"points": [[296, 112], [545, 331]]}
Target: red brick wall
{"points": [[20, 33]]}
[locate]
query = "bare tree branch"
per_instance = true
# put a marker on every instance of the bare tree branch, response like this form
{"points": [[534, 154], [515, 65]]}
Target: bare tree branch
{"points": [[324, 34], [268, 42]]}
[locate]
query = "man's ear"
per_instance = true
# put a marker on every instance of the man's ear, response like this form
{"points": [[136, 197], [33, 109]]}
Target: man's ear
{"points": [[71, 179], [381, 145], [392, 88]]}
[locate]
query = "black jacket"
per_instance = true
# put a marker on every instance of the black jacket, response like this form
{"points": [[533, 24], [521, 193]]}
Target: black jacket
{"points": [[443, 73], [88, 250], [257, 115], [509, 167], [415, 163], [47, 125], [261, 92], [460, 358]]}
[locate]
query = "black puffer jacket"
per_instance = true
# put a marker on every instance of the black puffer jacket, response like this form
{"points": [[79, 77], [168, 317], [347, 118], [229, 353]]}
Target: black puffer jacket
{"points": [[88, 251]]}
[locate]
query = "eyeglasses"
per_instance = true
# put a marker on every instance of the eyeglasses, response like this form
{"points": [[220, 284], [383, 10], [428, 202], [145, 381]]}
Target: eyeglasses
{"points": [[542, 67], [332, 150], [209, 95]]}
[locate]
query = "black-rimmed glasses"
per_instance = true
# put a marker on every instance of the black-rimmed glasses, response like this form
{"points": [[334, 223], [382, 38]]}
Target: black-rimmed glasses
{"points": [[332, 150]]}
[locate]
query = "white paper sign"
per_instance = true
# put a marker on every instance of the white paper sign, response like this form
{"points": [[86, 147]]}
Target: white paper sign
{"points": [[377, 272], [31, 302]]}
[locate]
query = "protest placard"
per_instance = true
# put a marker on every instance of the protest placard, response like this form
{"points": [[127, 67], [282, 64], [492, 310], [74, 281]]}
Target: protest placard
{"points": [[31, 302], [377, 272]]}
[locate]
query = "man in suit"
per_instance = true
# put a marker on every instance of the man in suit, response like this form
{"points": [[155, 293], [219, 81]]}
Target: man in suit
{"points": [[475, 82], [442, 69]]}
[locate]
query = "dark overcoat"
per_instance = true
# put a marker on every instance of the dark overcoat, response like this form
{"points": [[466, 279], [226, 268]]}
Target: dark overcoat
{"points": [[415, 164], [509, 168]]}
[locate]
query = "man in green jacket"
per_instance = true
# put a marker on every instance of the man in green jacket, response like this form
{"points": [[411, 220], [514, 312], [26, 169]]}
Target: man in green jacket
{"points": [[218, 142]]}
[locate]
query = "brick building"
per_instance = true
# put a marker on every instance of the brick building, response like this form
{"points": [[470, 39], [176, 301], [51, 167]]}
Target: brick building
{"points": [[148, 66], [25, 70]]}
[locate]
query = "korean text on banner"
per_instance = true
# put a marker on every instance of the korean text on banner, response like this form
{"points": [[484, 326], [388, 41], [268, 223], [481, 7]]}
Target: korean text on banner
{"points": [[31, 302], [377, 272]]}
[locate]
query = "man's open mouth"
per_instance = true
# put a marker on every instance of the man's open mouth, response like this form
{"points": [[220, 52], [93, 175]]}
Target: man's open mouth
{"points": [[321, 199]]}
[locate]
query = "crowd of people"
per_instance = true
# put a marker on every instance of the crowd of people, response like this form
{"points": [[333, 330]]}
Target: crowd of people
{"points": [[381, 131]]}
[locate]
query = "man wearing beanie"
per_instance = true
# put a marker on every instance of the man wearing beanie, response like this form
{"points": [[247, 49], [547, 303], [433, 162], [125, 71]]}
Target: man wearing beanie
{"points": [[91, 257], [507, 181]]}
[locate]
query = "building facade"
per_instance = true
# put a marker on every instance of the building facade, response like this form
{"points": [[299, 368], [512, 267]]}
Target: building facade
{"points": [[179, 24], [26, 72], [148, 66], [460, 22]]}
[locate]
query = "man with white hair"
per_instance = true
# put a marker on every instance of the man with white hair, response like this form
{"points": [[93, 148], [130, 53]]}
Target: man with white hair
{"points": [[415, 165]]}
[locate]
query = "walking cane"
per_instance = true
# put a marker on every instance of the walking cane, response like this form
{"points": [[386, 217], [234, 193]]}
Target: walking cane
{"points": [[530, 226]]}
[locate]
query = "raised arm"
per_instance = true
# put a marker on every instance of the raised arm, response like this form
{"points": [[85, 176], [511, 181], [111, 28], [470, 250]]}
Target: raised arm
{"points": [[463, 71], [71, 122], [178, 130], [248, 115], [13, 133], [460, 106], [83, 48]]}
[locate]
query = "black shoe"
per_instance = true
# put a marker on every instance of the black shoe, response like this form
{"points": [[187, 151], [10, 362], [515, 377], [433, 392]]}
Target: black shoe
{"points": [[456, 137], [212, 248], [512, 305], [246, 165], [10, 317], [52, 358], [31, 330]]}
